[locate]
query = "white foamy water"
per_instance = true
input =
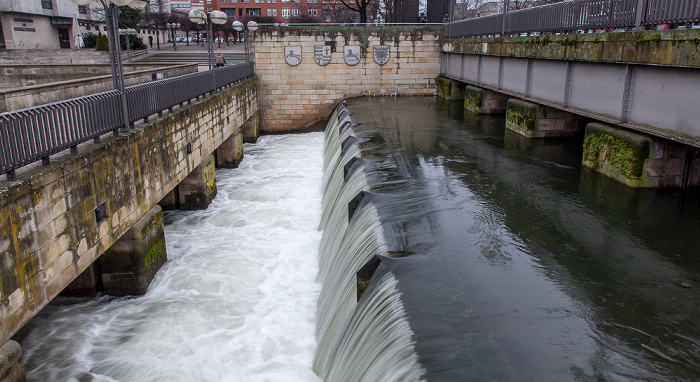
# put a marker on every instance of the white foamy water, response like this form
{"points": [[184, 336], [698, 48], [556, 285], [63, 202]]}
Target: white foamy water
{"points": [[236, 300]]}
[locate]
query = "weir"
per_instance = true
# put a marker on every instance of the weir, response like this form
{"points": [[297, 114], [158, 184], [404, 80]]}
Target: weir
{"points": [[367, 336]]}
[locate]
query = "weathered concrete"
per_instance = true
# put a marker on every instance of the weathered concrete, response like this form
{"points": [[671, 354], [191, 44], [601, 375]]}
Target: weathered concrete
{"points": [[251, 129], [11, 366], [230, 153], [293, 97], [198, 189], [129, 265], [28, 96], [484, 101], [638, 160], [58, 56], [449, 89], [538, 121], [679, 48], [49, 229]]}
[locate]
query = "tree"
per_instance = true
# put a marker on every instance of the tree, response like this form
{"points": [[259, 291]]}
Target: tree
{"points": [[360, 6], [129, 17], [156, 16], [335, 11], [102, 44]]}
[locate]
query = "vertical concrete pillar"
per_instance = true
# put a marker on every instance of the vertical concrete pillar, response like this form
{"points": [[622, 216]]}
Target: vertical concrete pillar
{"points": [[198, 189], [171, 201], [251, 128], [483, 101], [638, 160], [230, 153], [450, 89], [11, 366], [130, 264], [538, 121]]}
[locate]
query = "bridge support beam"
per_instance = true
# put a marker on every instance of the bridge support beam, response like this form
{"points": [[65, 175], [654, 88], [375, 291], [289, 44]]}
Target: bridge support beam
{"points": [[251, 128], [450, 89], [230, 153], [198, 189], [538, 121], [483, 101], [130, 264], [639, 160], [11, 366]]}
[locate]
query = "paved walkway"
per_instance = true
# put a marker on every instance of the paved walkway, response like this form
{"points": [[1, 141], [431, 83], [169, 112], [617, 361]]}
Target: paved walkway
{"points": [[238, 47]]}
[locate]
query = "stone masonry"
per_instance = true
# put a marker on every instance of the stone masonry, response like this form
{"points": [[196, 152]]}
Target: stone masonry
{"points": [[54, 225], [292, 97]]}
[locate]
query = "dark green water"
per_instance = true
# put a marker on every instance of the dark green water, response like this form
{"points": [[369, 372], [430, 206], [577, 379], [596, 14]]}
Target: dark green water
{"points": [[521, 265]]}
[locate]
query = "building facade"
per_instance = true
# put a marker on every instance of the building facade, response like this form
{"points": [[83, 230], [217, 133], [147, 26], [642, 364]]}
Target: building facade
{"points": [[46, 24], [282, 11]]}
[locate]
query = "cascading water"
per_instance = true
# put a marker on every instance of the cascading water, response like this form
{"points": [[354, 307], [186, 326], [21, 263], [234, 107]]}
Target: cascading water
{"points": [[369, 339]]}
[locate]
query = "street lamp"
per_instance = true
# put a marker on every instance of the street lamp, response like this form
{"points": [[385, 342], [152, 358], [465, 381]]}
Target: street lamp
{"points": [[252, 27], [111, 11], [126, 33], [173, 27], [215, 17]]}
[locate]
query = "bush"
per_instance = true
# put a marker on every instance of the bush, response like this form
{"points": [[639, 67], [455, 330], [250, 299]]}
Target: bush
{"points": [[102, 45], [135, 42], [89, 40]]}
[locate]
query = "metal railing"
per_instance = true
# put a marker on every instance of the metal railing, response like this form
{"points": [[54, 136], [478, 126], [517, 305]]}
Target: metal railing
{"points": [[36, 133], [579, 14]]}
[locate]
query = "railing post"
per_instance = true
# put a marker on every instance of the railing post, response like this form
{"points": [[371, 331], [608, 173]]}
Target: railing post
{"points": [[640, 11]]}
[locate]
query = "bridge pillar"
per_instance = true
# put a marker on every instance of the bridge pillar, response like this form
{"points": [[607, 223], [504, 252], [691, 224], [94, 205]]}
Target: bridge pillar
{"points": [[251, 128], [230, 153], [129, 265], [450, 89], [198, 189], [11, 366], [87, 284], [483, 101], [538, 121], [638, 160]]}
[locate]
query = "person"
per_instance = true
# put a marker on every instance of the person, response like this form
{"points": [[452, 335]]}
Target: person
{"points": [[219, 60], [150, 41]]}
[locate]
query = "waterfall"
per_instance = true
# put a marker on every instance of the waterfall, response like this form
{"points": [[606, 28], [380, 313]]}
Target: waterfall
{"points": [[370, 339]]}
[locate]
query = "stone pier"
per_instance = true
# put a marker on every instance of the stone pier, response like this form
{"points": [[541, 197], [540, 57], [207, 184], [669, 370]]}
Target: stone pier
{"points": [[251, 128], [197, 190], [450, 89], [11, 366], [639, 160], [484, 101], [538, 121], [129, 265], [230, 153]]}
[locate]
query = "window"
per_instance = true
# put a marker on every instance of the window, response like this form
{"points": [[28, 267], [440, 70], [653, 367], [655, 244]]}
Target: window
{"points": [[46, 4], [285, 13], [224, 1], [87, 27], [312, 12], [230, 12], [269, 12], [274, 12], [253, 12], [82, 9], [285, 1], [209, 9], [295, 12]]}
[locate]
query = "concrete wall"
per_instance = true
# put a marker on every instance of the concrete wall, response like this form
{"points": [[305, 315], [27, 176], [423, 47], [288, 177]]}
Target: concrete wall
{"points": [[48, 229], [30, 74], [29, 96], [294, 96], [56, 57]]}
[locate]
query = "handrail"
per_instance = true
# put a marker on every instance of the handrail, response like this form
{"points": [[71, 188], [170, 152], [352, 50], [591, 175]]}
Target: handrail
{"points": [[573, 15], [35, 133]]}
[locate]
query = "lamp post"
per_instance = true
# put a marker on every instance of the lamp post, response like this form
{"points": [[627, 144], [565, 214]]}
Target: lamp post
{"points": [[215, 17], [126, 33], [252, 27], [111, 11], [173, 27]]}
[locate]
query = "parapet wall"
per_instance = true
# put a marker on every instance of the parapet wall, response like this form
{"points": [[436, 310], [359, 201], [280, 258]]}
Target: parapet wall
{"points": [[58, 219], [292, 97]]}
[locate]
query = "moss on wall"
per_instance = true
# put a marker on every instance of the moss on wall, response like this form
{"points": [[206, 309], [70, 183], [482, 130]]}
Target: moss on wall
{"points": [[473, 99], [614, 151], [521, 114]]}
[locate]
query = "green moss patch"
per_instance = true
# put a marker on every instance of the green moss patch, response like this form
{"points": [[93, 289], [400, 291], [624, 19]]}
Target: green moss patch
{"points": [[624, 152], [473, 99], [521, 114]]}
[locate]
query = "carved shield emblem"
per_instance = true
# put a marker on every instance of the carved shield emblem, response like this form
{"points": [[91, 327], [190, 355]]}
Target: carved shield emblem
{"points": [[352, 54], [322, 54], [381, 53], [292, 54]]}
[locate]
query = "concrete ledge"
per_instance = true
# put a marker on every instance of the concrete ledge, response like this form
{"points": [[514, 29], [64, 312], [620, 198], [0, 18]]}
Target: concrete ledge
{"points": [[616, 153], [671, 48]]}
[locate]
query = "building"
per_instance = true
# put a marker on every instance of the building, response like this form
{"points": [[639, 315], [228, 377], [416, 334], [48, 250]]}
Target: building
{"points": [[46, 24], [279, 10]]}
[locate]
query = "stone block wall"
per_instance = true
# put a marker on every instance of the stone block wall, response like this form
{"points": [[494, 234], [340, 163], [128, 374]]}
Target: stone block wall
{"points": [[292, 97], [50, 230]]}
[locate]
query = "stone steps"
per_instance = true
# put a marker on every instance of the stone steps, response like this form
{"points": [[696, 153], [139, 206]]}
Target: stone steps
{"points": [[187, 58]]}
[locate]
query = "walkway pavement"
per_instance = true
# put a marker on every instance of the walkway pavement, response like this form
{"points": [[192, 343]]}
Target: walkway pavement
{"points": [[238, 47]]}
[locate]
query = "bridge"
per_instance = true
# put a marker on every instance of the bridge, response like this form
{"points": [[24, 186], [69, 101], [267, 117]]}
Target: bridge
{"points": [[90, 214]]}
